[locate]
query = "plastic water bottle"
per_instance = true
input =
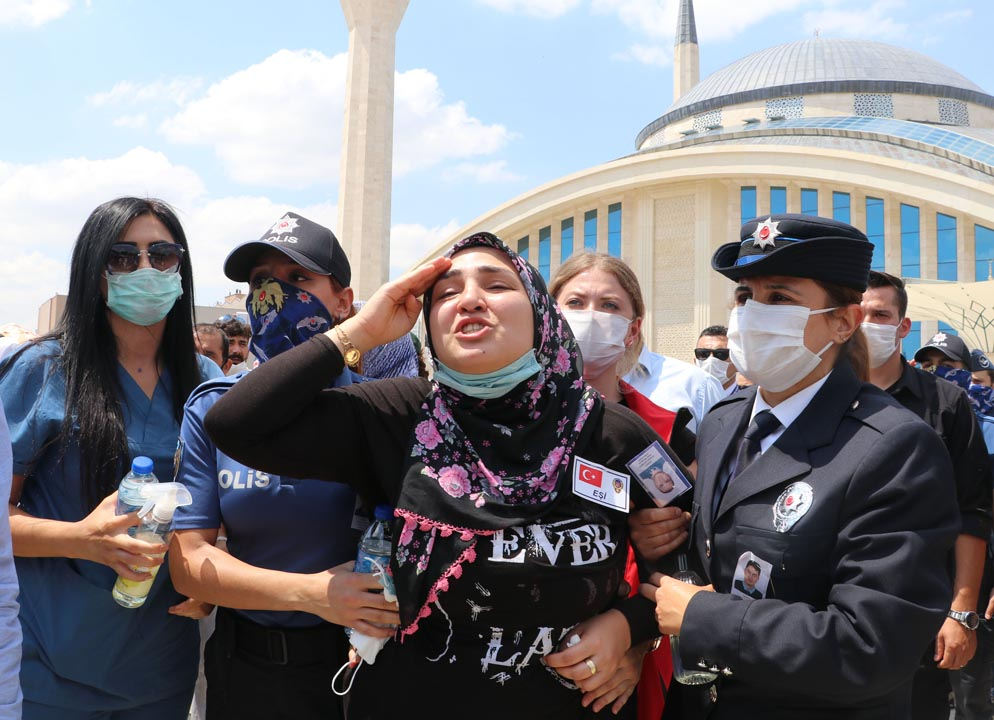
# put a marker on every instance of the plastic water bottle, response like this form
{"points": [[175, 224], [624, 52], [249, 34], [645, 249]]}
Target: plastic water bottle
{"points": [[687, 676], [156, 515], [375, 549], [129, 494]]}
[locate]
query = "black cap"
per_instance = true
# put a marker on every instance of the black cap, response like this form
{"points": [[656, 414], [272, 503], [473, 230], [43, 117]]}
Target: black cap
{"points": [[979, 361], [949, 345], [308, 244], [804, 246]]}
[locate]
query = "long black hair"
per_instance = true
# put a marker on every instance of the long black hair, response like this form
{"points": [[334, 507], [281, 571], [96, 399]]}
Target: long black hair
{"points": [[89, 349]]}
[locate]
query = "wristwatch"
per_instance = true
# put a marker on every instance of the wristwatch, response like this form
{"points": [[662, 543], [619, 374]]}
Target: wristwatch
{"points": [[969, 620], [352, 356]]}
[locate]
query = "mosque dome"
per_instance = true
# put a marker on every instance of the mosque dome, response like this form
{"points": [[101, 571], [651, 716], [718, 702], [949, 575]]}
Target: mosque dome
{"points": [[821, 66], [829, 65]]}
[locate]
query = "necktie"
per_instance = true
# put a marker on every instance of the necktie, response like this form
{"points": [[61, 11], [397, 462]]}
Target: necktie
{"points": [[762, 425]]}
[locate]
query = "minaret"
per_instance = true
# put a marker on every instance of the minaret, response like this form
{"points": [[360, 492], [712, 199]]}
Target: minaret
{"points": [[367, 141], [686, 52]]}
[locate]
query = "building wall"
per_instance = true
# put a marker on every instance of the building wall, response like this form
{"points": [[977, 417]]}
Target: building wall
{"points": [[679, 205]]}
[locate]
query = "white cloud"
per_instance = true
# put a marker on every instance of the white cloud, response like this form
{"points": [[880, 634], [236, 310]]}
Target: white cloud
{"points": [[132, 122], [411, 242], [483, 173], [177, 91], [535, 8], [33, 13], [875, 20], [647, 55], [279, 123]]}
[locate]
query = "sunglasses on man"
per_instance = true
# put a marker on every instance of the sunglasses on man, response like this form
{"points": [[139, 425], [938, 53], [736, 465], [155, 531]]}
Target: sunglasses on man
{"points": [[703, 353], [124, 258]]}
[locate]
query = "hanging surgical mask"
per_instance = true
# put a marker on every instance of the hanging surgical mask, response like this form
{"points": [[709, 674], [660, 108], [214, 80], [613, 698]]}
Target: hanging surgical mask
{"points": [[492, 384], [718, 369], [601, 337], [766, 343], [881, 340], [145, 296], [282, 317]]}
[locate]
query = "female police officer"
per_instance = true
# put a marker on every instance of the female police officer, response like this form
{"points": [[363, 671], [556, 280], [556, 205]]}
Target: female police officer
{"points": [[821, 480]]}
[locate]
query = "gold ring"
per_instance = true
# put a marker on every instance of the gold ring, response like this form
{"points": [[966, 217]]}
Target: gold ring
{"points": [[590, 664]]}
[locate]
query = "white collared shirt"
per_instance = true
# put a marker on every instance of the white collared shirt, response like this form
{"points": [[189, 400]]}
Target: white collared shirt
{"points": [[786, 412], [674, 384]]}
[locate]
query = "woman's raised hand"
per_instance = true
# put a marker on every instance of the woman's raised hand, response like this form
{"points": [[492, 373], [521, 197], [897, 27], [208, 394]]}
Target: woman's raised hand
{"points": [[393, 309]]}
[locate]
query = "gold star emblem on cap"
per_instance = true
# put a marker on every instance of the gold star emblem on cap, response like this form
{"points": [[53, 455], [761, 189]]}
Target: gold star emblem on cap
{"points": [[766, 232]]}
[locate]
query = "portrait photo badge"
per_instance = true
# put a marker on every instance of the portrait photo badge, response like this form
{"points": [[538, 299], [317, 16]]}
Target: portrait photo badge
{"points": [[600, 484], [659, 474]]}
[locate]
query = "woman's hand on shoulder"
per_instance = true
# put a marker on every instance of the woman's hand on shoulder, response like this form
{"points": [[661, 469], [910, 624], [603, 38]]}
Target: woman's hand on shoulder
{"points": [[102, 537], [352, 600], [591, 660], [393, 309]]}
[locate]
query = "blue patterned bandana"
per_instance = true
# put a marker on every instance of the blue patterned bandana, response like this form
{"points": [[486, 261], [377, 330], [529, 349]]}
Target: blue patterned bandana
{"points": [[981, 398], [282, 317]]}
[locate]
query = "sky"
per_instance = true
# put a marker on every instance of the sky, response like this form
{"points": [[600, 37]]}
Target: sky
{"points": [[232, 110]]}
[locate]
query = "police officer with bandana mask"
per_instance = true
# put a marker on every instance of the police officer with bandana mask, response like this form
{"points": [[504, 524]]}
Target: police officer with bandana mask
{"points": [[826, 480]]}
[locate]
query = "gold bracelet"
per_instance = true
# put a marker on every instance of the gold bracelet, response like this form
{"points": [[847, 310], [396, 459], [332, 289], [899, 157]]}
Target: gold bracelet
{"points": [[352, 355]]}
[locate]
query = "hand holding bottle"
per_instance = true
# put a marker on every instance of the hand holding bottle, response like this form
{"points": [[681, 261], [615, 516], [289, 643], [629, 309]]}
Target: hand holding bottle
{"points": [[102, 537], [352, 599], [672, 598]]}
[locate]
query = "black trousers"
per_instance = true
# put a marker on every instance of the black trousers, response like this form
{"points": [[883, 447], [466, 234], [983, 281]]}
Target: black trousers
{"points": [[272, 674]]}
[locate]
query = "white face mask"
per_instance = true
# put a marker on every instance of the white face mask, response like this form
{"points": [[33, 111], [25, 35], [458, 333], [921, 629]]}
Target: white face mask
{"points": [[881, 341], [766, 343], [718, 369], [601, 337]]}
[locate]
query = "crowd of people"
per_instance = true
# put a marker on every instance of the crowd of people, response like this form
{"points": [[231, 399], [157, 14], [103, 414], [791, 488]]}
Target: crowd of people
{"points": [[548, 476]]}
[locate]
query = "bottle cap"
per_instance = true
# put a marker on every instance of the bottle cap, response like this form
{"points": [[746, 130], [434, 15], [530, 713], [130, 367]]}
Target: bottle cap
{"points": [[383, 512], [141, 465]]}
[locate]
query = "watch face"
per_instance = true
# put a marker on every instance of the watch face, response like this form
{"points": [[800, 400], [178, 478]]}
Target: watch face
{"points": [[969, 620]]}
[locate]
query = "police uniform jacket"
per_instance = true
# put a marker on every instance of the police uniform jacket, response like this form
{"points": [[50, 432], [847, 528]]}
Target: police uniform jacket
{"points": [[859, 584]]}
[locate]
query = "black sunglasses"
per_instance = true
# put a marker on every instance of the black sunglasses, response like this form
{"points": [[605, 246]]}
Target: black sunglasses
{"points": [[703, 353], [124, 258]]}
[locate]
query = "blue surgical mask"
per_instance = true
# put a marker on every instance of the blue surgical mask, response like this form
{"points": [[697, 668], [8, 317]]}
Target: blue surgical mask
{"points": [[492, 384], [282, 317], [145, 296]]}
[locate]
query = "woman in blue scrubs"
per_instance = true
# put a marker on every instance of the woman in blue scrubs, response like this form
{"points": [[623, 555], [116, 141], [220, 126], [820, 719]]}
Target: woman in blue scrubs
{"points": [[108, 384]]}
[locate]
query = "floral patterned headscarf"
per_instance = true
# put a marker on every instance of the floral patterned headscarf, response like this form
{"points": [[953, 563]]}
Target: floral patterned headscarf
{"points": [[477, 466]]}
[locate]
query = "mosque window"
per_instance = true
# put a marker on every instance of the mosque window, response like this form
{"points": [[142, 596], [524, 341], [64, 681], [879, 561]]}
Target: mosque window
{"points": [[778, 200], [785, 108], [945, 237], [809, 201], [873, 104], [747, 197], [566, 243], [841, 204], [983, 238], [523, 247], [913, 340], [614, 230], [911, 263], [953, 112], [590, 230], [707, 121], [545, 252], [875, 231]]}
